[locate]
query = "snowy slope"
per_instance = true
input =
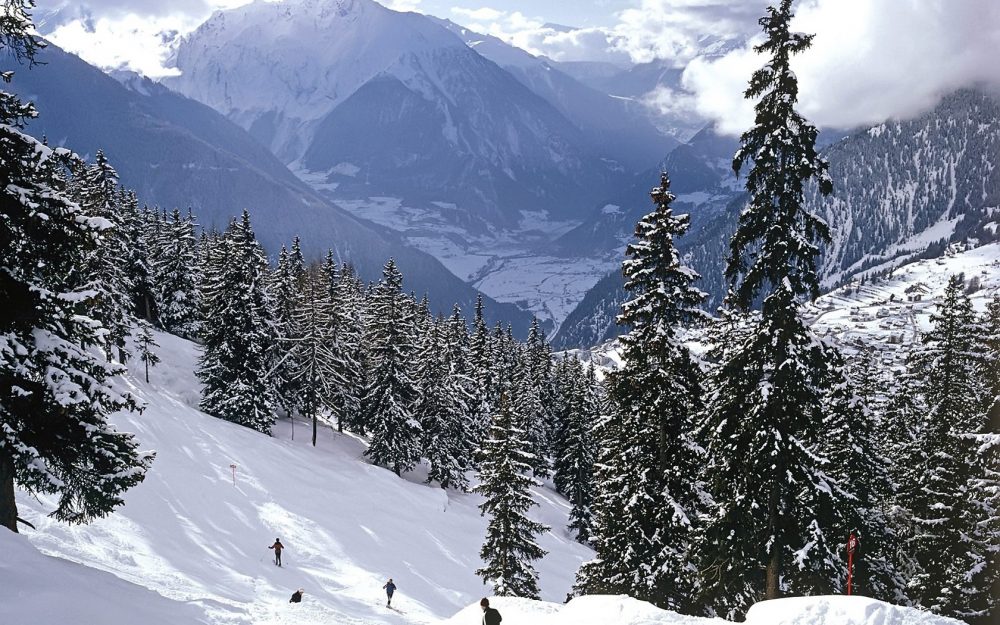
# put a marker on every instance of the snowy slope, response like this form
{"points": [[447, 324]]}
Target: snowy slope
{"points": [[618, 610], [189, 534], [885, 314]]}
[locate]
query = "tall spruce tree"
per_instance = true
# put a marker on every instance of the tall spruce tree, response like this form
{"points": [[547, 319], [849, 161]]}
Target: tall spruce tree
{"points": [[776, 508], [611, 571], [504, 482], [391, 393], [55, 394], [574, 465], [855, 460], [288, 293], [346, 294], [441, 410], [951, 505], [174, 271], [658, 392], [315, 349], [235, 364], [95, 187]]}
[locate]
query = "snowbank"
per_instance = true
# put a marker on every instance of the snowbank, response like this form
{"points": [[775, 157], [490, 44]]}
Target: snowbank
{"points": [[40, 589], [619, 610]]}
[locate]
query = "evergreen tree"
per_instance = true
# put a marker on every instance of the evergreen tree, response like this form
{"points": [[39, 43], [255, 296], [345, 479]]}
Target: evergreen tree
{"points": [[346, 293], [855, 461], [612, 569], [174, 270], [235, 364], [510, 546], [287, 288], [440, 409], [951, 504], [776, 508], [315, 349], [145, 342], [391, 393], [577, 450], [95, 187], [658, 391], [137, 260], [55, 395]]}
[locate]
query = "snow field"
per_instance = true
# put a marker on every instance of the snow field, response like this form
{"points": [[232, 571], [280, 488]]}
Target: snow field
{"points": [[192, 536]]}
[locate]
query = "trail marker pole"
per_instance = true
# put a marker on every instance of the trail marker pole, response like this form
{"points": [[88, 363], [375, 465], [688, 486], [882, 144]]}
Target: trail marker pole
{"points": [[852, 544], [233, 467]]}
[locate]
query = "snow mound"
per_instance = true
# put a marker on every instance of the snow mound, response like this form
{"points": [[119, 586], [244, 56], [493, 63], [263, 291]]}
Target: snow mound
{"points": [[36, 588], [835, 610], [621, 610]]}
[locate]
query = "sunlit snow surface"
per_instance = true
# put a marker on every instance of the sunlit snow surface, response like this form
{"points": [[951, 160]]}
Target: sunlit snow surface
{"points": [[190, 535], [611, 610]]}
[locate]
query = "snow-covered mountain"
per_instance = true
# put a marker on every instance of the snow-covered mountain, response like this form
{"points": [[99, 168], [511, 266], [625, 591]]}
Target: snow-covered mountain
{"points": [[619, 128], [374, 102], [176, 152], [902, 190]]}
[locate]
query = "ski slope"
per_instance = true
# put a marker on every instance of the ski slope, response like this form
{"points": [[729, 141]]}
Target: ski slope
{"points": [[200, 543]]}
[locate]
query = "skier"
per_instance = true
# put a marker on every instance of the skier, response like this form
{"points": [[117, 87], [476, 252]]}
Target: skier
{"points": [[389, 589], [296, 596], [277, 546], [490, 615]]}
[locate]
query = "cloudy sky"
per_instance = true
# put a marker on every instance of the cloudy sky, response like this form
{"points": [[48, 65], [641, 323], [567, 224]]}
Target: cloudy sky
{"points": [[871, 59]]}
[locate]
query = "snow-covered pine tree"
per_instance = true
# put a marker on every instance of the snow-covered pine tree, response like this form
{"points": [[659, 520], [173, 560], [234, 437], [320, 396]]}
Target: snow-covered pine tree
{"points": [[855, 460], [611, 572], [538, 364], [658, 392], [287, 286], [346, 294], [95, 188], [235, 363], [776, 509], [174, 271], [137, 262], [55, 394], [527, 405], [145, 344], [315, 349], [510, 548], [574, 465], [951, 504], [440, 409], [991, 360], [391, 393], [989, 446]]}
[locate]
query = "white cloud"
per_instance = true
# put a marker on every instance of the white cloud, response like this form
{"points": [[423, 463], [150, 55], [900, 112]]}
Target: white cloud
{"points": [[677, 30], [869, 61], [402, 5], [541, 38], [129, 41], [483, 14]]}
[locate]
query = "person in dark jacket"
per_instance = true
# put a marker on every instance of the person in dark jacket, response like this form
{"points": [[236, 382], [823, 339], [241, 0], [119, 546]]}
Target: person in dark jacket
{"points": [[277, 546], [389, 589], [296, 596], [490, 615]]}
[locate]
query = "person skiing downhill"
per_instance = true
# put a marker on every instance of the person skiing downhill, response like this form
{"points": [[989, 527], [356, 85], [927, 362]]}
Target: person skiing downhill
{"points": [[277, 546], [389, 589], [490, 615]]}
